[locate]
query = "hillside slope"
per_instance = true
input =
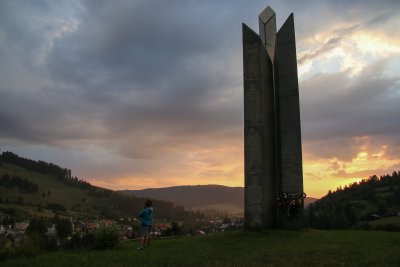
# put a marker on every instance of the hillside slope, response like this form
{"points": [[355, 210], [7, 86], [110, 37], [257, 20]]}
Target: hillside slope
{"points": [[360, 204], [36, 188]]}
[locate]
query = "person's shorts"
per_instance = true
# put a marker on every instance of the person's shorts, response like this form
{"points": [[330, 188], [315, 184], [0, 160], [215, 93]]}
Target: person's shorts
{"points": [[144, 230]]}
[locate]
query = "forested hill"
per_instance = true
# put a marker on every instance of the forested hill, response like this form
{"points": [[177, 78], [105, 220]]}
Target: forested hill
{"points": [[42, 167], [366, 203], [37, 188]]}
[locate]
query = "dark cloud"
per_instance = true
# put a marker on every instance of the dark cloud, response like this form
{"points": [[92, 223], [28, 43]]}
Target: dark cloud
{"points": [[349, 107], [363, 105], [155, 79], [146, 75], [152, 46]]}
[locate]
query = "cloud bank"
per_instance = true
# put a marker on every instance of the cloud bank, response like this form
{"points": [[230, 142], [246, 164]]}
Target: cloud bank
{"points": [[133, 94]]}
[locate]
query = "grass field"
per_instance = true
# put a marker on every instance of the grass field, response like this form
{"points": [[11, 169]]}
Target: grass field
{"points": [[268, 248], [390, 220]]}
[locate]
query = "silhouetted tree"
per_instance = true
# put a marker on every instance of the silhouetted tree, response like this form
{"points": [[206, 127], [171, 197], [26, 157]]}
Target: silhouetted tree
{"points": [[64, 227], [347, 206], [37, 225]]}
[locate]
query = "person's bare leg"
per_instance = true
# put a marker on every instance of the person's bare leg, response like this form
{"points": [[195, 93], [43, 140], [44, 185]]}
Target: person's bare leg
{"points": [[142, 241]]}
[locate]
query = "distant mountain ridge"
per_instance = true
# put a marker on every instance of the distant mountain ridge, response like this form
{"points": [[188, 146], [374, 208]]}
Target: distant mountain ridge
{"points": [[194, 196], [199, 196]]}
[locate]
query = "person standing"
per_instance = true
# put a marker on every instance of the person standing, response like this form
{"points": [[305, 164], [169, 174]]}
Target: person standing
{"points": [[146, 219]]}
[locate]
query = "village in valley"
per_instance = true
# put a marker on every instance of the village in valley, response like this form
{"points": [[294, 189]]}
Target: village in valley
{"points": [[126, 227]]}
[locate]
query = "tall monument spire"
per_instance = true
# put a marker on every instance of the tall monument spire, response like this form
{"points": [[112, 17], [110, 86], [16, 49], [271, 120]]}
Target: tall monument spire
{"points": [[272, 134]]}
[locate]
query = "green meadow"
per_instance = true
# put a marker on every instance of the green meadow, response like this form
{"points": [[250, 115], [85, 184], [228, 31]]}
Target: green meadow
{"points": [[266, 248], [54, 192]]}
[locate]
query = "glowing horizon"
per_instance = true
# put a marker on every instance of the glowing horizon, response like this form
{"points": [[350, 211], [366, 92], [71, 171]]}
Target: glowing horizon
{"points": [[129, 102]]}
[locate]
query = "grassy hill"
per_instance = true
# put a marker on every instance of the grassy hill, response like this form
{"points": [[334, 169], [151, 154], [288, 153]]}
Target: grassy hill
{"points": [[75, 200], [370, 203], [54, 190], [267, 248]]}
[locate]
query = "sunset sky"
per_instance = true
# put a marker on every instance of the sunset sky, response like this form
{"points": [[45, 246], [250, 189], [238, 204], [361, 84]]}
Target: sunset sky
{"points": [[138, 94]]}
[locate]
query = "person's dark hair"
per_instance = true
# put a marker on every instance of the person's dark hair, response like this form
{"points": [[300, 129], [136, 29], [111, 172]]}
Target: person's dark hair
{"points": [[148, 203]]}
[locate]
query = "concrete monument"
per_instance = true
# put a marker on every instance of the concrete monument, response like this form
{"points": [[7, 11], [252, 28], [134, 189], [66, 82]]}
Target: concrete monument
{"points": [[272, 136]]}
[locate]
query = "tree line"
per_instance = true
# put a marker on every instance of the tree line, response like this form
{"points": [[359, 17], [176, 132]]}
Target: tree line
{"points": [[110, 204], [43, 167], [22, 184], [359, 202]]}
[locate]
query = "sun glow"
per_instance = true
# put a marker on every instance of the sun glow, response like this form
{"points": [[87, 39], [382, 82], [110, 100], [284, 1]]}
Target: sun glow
{"points": [[323, 174]]}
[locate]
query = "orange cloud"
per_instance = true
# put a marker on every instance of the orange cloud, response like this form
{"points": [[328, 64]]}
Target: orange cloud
{"points": [[224, 165], [321, 175]]}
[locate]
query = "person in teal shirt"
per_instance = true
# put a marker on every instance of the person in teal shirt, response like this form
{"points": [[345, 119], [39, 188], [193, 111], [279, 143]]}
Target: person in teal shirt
{"points": [[146, 219]]}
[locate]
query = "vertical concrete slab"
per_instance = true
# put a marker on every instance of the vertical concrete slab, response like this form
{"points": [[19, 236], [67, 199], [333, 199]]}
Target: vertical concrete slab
{"points": [[267, 31], [269, 146], [259, 145], [288, 116]]}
